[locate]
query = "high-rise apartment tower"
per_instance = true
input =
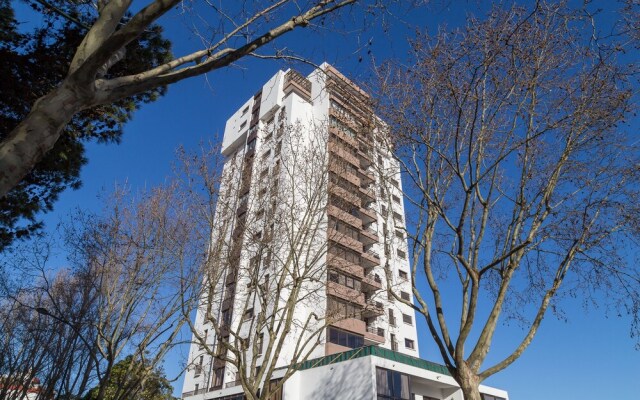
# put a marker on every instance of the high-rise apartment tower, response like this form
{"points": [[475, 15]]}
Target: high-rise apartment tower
{"points": [[310, 252]]}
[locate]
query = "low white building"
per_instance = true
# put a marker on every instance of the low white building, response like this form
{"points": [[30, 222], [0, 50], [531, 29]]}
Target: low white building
{"points": [[365, 373]]}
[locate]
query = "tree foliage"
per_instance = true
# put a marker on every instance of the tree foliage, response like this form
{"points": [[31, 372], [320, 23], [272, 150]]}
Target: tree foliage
{"points": [[37, 61], [126, 378]]}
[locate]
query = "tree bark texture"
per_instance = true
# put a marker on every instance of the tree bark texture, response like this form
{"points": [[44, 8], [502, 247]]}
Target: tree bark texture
{"points": [[36, 135]]}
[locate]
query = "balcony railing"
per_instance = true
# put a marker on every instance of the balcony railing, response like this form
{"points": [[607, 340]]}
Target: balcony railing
{"points": [[375, 304], [194, 392], [375, 277], [297, 83], [232, 383], [375, 330], [373, 254]]}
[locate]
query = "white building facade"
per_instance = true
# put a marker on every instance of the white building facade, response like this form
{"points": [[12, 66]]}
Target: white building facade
{"points": [[311, 203]]}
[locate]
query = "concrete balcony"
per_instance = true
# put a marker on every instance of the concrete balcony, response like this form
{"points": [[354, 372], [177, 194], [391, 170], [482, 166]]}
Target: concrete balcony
{"points": [[294, 82], [365, 159], [367, 193], [342, 193], [368, 236], [342, 215], [373, 309], [332, 348], [366, 175], [353, 325], [347, 116], [344, 136], [235, 383], [371, 283], [370, 259], [341, 264], [374, 334], [344, 240], [368, 215], [345, 293], [339, 169], [338, 149]]}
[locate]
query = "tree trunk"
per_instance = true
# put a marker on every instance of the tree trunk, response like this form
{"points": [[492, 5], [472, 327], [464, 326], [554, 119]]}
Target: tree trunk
{"points": [[468, 382], [28, 142]]}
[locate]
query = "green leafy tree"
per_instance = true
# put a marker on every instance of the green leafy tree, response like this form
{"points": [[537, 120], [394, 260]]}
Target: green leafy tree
{"points": [[37, 61], [134, 380]]}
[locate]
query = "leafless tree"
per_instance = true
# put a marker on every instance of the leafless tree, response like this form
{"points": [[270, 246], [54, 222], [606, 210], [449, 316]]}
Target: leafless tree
{"points": [[37, 348], [522, 180], [131, 279], [240, 30]]}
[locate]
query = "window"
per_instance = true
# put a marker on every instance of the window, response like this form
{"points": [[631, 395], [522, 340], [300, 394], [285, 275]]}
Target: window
{"points": [[399, 234], [401, 254], [218, 377], [409, 344], [344, 253], [397, 217], [260, 343], [226, 317], [199, 366], [485, 396], [246, 110], [343, 308], [349, 282], [243, 125], [248, 314], [403, 275], [394, 343], [345, 339], [344, 229], [220, 348], [342, 127], [392, 385], [405, 296], [343, 183], [345, 280], [396, 198], [251, 145], [392, 318], [407, 319]]}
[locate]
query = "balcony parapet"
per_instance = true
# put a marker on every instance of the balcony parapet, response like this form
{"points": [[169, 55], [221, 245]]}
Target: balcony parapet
{"points": [[373, 282], [295, 82], [374, 334]]}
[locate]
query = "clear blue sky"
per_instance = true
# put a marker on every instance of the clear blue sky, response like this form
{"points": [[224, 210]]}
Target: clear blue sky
{"points": [[587, 357]]}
